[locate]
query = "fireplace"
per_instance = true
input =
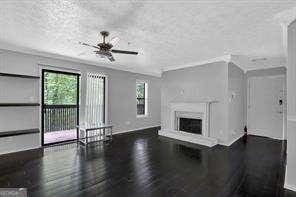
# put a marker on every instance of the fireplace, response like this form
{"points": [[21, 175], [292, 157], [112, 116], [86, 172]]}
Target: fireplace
{"points": [[190, 125], [189, 122]]}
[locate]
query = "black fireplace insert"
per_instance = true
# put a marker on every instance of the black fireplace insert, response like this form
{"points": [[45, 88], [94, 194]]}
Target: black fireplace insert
{"points": [[190, 125]]}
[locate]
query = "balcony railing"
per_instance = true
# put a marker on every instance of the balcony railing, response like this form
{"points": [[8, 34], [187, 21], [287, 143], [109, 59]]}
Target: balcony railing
{"points": [[140, 106], [59, 117]]}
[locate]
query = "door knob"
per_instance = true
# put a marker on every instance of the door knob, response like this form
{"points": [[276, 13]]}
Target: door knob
{"points": [[280, 101]]}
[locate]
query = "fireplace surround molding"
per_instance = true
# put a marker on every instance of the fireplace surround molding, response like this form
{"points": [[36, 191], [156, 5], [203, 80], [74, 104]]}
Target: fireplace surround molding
{"points": [[188, 115], [198, 110]]}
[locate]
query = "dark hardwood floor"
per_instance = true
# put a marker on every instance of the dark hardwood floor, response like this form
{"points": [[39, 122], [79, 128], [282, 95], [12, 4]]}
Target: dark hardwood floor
{"points": [[144, 164]]}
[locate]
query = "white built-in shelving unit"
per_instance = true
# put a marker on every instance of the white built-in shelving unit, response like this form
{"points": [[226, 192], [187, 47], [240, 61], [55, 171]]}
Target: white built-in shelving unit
{"points": [[19, 96]]}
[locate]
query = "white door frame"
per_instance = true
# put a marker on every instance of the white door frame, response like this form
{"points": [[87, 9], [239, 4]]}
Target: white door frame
{"points": [[284, 132]]}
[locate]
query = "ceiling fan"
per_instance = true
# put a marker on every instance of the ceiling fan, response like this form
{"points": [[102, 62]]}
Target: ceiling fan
{"points": [[104, 49]]}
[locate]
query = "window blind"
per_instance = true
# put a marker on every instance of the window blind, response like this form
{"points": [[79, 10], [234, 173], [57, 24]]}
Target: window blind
{"points": [[95, 98]]}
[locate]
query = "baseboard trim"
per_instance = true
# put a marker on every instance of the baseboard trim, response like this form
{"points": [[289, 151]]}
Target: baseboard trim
{"points": [[290, 187], [256, 134], [3, 155], [26, 149], [150, 127], [135, 130], [20, 157], [232, 141], [21, 151]]}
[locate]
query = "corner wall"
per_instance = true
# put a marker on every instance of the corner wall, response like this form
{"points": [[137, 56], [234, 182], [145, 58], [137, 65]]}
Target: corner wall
{"points": [[196, 84], [290, 179], [236, 97], [220, 81]]}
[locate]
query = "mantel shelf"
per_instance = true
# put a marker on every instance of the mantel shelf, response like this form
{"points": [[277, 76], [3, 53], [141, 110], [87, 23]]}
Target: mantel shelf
{"points": [[18, 104], [19, 76]]}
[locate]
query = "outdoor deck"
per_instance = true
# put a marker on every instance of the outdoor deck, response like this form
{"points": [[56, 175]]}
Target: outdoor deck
{"points": [[60, 123], [59, 136]]}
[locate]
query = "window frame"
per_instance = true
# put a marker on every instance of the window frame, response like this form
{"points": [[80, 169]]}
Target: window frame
{"points": [[145, 99]]}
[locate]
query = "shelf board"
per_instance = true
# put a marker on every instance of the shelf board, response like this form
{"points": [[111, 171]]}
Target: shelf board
{"points": [[19, 132], [18, 104], [19, 76]]}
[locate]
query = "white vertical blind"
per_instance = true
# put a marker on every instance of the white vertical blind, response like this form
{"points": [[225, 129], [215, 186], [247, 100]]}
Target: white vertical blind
{"points": [[95, 98]]}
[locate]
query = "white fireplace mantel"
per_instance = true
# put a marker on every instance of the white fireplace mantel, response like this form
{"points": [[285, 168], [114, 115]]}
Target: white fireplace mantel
{"points": [[199, 109]]}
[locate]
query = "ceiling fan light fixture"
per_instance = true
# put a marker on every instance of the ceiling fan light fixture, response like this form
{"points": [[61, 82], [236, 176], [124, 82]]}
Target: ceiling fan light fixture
{"points": [[104, 49], [101, 56]]}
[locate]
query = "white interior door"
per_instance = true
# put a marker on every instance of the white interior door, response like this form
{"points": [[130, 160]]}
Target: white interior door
{"points": [[266, 106]]}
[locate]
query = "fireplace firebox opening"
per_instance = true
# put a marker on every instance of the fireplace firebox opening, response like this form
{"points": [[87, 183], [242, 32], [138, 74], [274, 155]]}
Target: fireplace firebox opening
{"points": [[190, 125]]}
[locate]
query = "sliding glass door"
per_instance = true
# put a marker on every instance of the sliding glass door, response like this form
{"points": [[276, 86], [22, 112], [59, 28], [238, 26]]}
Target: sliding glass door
{"points": [[60, 106]]}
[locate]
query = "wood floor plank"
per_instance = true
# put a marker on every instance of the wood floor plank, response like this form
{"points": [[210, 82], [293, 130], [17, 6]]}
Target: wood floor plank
{"points": [[145, 164]]}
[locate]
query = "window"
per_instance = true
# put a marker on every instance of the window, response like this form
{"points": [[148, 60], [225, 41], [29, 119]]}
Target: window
{"points": [[60, 88], [95, 98], [141, 91]]}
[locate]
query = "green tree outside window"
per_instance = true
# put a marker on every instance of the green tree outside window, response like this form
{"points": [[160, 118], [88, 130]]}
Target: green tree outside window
{"points": [[60, 89]]}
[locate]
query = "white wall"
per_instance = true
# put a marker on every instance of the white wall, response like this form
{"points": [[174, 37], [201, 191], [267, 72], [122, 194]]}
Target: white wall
{"points": [[237, 107], [290, 181], [121, 94], [195, 84], [219, 81], [236, 102]]}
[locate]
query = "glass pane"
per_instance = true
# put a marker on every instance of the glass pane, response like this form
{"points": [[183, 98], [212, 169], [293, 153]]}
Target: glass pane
{"points": [[60, 89], [140, 90], [140, 98], [60, 113]]}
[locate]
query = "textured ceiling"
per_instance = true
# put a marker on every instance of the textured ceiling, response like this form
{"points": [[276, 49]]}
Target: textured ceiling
{"points": [[166, 33]]}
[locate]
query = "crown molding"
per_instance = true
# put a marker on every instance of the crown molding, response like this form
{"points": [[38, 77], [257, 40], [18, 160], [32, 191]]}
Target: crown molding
{"points": [[77, 60], [225, 58], [242, 61], [286, 17]]}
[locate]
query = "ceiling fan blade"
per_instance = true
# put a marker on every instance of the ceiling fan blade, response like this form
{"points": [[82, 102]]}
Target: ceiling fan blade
{"points": [[124, 52], [114, 41], [89, 45], [111, 58], [99, 54], [82, 53]]}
